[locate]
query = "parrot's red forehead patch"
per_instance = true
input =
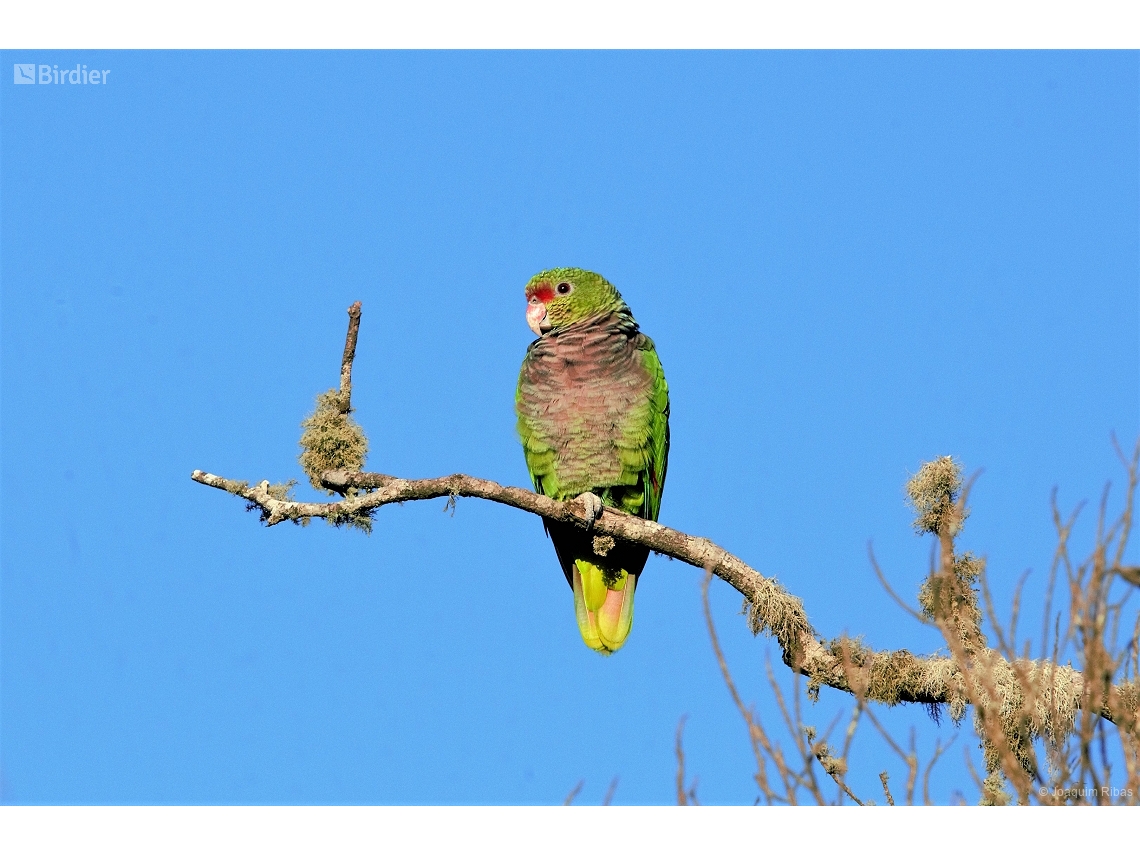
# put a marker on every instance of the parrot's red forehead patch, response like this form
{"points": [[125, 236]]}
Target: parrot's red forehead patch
{"points": [[543, 290]]}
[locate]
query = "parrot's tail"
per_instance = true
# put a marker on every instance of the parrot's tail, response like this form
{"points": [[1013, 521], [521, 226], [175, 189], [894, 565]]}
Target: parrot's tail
{"points": [[603, 604], [603, 584]]}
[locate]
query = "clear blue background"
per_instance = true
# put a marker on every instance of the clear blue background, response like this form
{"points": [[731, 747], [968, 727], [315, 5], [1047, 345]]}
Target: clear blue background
{"points": [[850, 262]]}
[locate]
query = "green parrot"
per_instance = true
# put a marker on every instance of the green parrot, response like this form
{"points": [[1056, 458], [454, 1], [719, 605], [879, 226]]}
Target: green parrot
{"points": [[593, 417]]}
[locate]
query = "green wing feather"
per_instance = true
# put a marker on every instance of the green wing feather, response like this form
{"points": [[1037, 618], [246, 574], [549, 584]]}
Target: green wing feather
{"points": [[539, 455], [658, 434]]}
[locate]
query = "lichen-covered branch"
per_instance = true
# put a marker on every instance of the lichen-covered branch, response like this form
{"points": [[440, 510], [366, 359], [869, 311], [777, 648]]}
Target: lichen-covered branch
{"points": [[889, 677]]}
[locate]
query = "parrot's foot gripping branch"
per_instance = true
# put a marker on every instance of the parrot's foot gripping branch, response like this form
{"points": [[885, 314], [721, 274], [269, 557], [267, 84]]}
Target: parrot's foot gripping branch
{"points": [[593, 507]]}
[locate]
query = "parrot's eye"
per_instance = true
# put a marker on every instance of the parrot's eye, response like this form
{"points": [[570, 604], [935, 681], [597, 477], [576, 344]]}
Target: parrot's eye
{"points": [[564, 288]]}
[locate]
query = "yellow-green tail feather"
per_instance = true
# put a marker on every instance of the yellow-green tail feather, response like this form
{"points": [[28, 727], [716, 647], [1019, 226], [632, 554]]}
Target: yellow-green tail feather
{"points": [[603, 604]]}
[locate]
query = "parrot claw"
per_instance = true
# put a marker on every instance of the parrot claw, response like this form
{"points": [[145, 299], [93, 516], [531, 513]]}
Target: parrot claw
{"points": [[593, 506]]}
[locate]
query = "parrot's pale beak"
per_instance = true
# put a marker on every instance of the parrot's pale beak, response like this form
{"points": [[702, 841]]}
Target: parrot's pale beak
{"points": [[536, 318]]}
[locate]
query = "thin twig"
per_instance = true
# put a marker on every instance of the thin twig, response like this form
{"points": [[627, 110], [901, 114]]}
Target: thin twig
{"points": [[835, 768], [911, 759], [918, 616], [682, 797], [349, 352], [757, 737], [573, 794], [884, 777], [609, 796], [939, 750]]}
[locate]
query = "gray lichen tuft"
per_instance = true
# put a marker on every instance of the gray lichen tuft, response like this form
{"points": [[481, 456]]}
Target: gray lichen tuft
{"points": [[994, 792], [772, 610], [836, 767], [603, 544], [353, 518], [933, 493], [953, 599], [236, 487], [331, 439], [280, 492]]}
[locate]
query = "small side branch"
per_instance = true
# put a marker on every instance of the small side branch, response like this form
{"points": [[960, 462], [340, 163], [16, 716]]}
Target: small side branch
{"points": [[349, 351], [884, 777], [835, 767]]}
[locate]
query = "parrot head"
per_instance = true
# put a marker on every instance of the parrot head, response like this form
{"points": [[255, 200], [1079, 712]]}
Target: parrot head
{"points": [[562, 296]]}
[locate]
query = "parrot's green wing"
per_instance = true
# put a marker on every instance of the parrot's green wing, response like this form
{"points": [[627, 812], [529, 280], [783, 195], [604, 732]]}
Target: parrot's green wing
{"points": [[538, 450], [657, 435], [643, 443]]}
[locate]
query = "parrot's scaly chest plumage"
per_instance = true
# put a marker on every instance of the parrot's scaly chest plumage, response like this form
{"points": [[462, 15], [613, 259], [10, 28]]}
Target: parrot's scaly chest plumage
{"points": [[593, 410]]}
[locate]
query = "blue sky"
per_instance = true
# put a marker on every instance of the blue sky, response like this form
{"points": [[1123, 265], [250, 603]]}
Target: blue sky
{"points": [[850, 262]]}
